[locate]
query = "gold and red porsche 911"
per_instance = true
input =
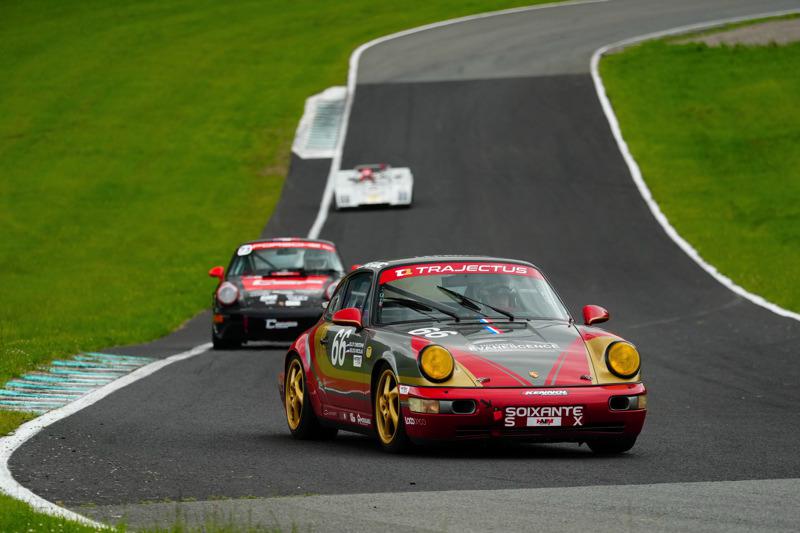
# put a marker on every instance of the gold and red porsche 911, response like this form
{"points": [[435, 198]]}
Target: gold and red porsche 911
{"points": [[451, 348]]}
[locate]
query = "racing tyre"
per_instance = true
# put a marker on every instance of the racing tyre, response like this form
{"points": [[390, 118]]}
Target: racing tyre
{"points": [[388, 419], [612, 446], [221, 343], [300, 415]]}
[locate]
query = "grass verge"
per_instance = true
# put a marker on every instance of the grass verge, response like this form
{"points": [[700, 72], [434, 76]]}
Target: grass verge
{"points": [[716, 132]]}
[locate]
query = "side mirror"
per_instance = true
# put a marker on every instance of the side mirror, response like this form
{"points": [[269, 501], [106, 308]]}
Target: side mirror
{"points": [[594, 314], [349, 316], [217, 272]]}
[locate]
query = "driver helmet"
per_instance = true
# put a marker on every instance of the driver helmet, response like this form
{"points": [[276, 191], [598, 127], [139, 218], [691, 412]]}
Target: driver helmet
{"points": [[499, 295], [316, 261], [366, 174]]}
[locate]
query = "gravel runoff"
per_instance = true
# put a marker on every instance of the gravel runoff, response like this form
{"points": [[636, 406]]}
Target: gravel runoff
{"points": [[775, 32], [729, 506]]}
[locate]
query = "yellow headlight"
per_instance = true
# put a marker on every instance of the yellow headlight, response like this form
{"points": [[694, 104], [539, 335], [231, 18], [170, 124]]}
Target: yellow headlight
{"points": [[622, 359], [436, 363]]}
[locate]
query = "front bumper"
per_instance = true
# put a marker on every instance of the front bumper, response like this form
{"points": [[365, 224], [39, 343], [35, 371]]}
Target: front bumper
{"points": [[268, 324], [568, 414]]}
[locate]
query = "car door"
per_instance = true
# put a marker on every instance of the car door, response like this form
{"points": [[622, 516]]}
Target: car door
{"points": [[346, 381]]}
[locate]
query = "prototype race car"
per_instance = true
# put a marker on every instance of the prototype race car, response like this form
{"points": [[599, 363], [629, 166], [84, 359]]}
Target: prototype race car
{"points": [[373, 185], [273, 290], [457, 348]]}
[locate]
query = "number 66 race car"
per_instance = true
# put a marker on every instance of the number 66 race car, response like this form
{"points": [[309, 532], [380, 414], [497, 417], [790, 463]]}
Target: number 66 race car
{"points": [[373, 185], [457, 348]]}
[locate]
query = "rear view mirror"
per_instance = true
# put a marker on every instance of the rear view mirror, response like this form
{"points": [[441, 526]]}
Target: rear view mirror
{"points": [[217, 272], [594, 314]]}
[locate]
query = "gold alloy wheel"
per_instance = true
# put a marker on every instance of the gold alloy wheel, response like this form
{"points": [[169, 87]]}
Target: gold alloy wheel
{"points": [[294, 388], [387, 406]]}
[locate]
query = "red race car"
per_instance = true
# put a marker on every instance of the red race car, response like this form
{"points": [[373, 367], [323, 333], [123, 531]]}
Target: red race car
{"points": [[457, 348]]}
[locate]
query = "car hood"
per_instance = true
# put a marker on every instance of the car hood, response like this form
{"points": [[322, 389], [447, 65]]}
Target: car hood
{"points": [[541, 353]]}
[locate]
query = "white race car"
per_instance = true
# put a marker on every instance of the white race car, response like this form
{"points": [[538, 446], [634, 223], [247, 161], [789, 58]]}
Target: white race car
{"points": [[373, 185]]}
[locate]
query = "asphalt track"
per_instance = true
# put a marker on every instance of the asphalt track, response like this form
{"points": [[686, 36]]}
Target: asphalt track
{"points": [[512, 157]]}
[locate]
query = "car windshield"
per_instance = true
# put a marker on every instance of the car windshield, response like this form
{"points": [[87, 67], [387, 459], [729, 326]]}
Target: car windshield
{"points": [[464, 291], [269, 260]]}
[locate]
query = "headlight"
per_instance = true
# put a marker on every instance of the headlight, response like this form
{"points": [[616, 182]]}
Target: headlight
{"points": [[622, 359], [436, 363], [227, 293], [418, 405]]}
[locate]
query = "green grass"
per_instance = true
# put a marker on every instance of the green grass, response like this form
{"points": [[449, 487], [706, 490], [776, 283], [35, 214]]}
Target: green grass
{"points": [[16, 516], [11, 420], [716, 132], [141, 141]]}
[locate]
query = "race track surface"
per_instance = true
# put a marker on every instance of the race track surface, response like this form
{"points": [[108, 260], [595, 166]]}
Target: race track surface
{"points": [[512, 156]]}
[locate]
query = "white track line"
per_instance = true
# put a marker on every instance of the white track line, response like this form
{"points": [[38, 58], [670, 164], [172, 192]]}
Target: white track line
{"points": [[352, 78], [636, 173], [8, 445]]}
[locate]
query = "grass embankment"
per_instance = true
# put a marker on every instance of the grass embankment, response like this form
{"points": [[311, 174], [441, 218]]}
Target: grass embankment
{"points": [[139, 142], [716, 132]]}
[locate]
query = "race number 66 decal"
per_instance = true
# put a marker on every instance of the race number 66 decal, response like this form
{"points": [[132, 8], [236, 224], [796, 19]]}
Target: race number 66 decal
{"points": [[432, 333], [339, 346]]}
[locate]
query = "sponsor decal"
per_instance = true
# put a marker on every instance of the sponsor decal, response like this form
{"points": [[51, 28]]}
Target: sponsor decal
{"points": [[352, 417], [430, 269], [534, 374], [432, 333], [357, 361], [369, 352], [363, 420], [511, 346], [553, 421], [413, 421], [545, 392], [403, 389], [286, 283], [289, 244], [273, 323], [292, 303], [268, 298], [375, 264], [544, 416], [245, 249]]}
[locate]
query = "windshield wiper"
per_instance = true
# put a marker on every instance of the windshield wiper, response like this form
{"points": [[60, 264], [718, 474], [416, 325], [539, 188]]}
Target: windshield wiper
{"points": [[472, 303], [425, 301]]}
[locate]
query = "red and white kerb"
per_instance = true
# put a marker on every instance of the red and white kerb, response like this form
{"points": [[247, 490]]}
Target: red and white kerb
{"points": [[433, 269]]}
